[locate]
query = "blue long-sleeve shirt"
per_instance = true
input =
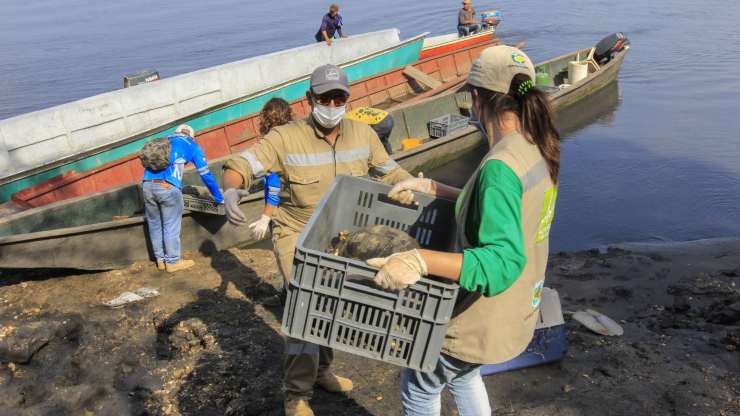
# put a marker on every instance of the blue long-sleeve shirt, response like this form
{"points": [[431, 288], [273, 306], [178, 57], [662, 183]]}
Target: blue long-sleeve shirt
{"points": [[272, 189], [183, 150], [331, 25]]}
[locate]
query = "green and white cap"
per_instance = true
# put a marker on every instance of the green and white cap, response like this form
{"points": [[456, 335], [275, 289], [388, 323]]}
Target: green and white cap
{"points": [[497, 66]]}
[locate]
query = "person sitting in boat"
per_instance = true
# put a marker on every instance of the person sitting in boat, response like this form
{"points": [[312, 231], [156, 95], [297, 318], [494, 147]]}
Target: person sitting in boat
{"points": [[466, 23], [331, 25], [379, 120], [275, 113], [163, 202]]}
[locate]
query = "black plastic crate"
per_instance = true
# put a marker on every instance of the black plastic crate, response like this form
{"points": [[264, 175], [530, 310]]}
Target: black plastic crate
{"points": [[197, 198], [332, 300], [447, 124]]}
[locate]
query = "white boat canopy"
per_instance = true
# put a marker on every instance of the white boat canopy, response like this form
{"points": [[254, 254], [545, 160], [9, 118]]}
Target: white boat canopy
{"points": [[40, 138]]}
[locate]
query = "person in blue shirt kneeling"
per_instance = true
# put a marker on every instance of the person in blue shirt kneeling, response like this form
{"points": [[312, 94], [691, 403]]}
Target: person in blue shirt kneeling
{"points": [[163, 201]]}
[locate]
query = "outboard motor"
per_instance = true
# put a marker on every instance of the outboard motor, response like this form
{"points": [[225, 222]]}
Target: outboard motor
{"points": [[609, 46], [491, 18]]}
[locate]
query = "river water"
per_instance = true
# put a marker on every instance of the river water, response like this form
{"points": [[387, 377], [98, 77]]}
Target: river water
{"points": [[654, 158]]}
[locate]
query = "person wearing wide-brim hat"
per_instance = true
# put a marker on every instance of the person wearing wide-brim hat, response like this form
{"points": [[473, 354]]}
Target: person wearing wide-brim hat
{"points": [[503, 217]]}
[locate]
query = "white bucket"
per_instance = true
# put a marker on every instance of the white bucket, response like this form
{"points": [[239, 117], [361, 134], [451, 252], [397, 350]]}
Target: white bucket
{"points": [[577, 71]]}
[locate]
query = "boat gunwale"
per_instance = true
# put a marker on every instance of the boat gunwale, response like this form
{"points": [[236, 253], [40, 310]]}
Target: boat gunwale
{"points": [[491, 32], [84, 229], [593, 76], [123, 142]]}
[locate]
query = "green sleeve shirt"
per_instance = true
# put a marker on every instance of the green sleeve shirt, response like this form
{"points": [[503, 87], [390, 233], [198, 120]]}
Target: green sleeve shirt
{"points": [[494, 229]]}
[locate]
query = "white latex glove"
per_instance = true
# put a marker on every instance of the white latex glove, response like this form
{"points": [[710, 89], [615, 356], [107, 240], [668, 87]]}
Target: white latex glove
{"points": [[399, 270], [403, 191], [259, 228]]}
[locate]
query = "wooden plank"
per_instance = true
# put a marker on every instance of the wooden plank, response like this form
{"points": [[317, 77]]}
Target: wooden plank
{"points": [[430, 93], [421, 77]]}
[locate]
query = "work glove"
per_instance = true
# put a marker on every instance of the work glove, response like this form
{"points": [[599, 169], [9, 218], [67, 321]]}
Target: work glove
{"points": [[399, 270], [259, 227], [403, 191], [234, 214]]}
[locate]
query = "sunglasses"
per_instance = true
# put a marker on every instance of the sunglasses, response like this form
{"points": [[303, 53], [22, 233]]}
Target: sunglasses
{"points": [[326, 99]]}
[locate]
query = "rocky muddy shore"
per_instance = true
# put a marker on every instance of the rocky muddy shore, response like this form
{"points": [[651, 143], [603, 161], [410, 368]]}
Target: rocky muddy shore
{"points": [[210, 343]]}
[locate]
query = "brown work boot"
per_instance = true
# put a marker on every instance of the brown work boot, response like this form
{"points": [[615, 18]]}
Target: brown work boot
{"points": [[180, 265], [160, 265], [297, 407], [334, 384]]}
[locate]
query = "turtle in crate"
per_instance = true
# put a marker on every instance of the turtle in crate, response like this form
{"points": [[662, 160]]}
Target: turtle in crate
{"points": [[371, 242], [367, 243]]}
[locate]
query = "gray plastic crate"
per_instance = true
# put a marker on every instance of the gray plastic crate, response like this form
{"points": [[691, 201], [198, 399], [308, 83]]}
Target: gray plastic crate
{"points": [[196, 198], [447, 124], [332, 300]]}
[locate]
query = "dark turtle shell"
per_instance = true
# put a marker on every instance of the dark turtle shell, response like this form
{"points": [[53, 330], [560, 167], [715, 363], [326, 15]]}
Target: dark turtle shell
{"points": [[372, 241]]}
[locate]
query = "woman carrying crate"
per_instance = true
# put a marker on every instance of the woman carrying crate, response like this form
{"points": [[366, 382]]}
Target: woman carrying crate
{"points": [[503, 217]]}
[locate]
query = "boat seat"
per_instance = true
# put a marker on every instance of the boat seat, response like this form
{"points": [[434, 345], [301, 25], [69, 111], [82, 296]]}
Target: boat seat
{"points": [[593, 66], [413, 121]]}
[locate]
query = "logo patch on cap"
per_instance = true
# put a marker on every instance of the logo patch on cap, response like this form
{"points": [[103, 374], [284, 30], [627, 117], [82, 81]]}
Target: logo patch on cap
{"points": [[518, 59], [332, 74]]}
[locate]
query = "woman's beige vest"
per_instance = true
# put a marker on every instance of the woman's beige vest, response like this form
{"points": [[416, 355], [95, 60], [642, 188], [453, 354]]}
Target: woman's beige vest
{"points": [[497, 329]]}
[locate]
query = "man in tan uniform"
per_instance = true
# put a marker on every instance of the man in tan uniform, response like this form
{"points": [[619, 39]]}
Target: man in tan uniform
{"points": [[308, 154]]}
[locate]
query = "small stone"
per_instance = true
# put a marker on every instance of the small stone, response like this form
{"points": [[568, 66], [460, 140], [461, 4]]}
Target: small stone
{"points": [[379, 398], [568, 388]]}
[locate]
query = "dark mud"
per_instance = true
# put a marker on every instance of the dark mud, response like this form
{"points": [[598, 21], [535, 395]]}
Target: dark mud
{"points": [[210, 343]]}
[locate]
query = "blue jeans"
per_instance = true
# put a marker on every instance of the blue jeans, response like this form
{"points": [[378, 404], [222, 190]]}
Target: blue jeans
{"points": [[421, 392], [163, 208], [465, 30]]}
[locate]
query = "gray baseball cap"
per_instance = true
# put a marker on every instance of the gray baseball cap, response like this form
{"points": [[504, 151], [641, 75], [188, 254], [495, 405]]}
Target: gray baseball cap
{"points": [[328, 78]]}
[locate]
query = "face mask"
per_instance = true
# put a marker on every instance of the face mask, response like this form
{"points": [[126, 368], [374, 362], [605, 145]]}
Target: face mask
{"points": [[327, 117]]}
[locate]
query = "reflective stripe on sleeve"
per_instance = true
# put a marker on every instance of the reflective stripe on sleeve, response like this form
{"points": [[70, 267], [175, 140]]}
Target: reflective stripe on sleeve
{"points": [[387, 167], [257, 169], [204, 170]]}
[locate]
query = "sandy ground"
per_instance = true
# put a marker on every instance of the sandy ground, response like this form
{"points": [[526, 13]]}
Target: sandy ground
{"points": [[210, 344]]}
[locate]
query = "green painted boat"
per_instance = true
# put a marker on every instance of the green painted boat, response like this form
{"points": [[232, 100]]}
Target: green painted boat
{"points": [[86, 134]]}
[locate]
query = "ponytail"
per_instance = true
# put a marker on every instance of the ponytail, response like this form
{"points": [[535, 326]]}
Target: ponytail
{"points": [[535, 114], [533, 109]]}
